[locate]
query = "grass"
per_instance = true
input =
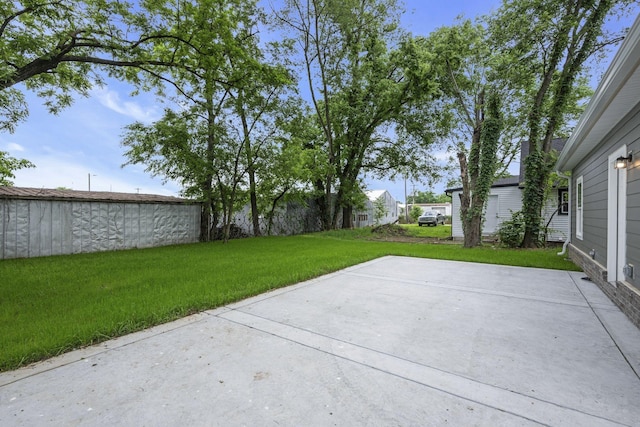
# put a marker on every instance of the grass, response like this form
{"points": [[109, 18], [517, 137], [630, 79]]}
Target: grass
{"points": [[440, 231], [51, 305]]}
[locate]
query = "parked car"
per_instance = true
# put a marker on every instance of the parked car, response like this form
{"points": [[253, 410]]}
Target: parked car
{"points": [[431, 218]]}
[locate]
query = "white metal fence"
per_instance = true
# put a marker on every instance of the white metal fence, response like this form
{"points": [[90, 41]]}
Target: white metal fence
{"points": [[31, 228]]}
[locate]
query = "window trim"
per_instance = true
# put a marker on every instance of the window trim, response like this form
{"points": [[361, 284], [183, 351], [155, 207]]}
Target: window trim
{"points": [[563, 205], [580, 207]]}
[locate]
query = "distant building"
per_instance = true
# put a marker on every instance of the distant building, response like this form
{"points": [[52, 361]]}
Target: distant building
{"points": [[367, 216], [441, 208]]}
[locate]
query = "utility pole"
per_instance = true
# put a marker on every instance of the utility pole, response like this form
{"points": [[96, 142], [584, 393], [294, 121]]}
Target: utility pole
{"points": [[89, 180], [406, 201], [413, 192]]}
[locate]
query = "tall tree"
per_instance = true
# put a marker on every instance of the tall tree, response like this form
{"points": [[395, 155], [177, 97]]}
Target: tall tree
{"points": [[223, 92], [359, 87], [472, 115], [552, 40], [291, 165]]}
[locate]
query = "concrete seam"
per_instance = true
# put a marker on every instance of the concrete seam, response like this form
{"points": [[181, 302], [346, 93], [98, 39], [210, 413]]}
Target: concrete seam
{"points": [[449, 392], [473, 290], [624, 356]]}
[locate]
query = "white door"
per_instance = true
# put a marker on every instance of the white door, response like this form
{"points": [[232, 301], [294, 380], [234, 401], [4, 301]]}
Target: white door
{"points": [[491, 215], [616, 218]]}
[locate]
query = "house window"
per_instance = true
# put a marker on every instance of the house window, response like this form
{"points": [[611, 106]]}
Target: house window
{"points": [[579, 212], [563, 201]]}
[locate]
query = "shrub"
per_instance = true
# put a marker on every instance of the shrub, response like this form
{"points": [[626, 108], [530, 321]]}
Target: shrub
{"points": [[415, 213], [511, 232]]}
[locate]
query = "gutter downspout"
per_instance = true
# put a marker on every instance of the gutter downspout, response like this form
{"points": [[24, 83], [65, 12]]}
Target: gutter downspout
{"points": [[568, 239]]}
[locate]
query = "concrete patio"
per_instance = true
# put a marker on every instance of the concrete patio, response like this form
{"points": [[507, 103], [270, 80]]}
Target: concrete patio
{"points": [[395, 341]]}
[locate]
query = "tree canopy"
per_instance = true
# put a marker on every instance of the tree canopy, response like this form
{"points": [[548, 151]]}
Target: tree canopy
{"points": [[213, 138], [60, 47], [551, 42], [363, 75], [8, 166], [372, 100]]}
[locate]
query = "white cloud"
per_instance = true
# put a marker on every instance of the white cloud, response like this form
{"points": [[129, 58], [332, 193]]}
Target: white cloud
{"points": [[12, 146], [112, 101]]}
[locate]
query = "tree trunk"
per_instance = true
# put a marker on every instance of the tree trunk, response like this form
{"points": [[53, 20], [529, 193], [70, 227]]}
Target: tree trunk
{"points": [[255, 214], [347, 217], [272, 212], [473, 234], [536, 176], [579, 38], [324, 205], [205, 217], [470, 215]]}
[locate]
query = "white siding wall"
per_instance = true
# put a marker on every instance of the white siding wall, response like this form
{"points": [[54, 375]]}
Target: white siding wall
{"points": [[444, 208], [509, 201], [366, 217], [559, 226], [31, 228], [456, 224]]}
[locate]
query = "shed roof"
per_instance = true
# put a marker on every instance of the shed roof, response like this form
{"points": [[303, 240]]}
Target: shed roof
{"points": [[509, 181], [615, 97], [374, 194], [101, 196]]}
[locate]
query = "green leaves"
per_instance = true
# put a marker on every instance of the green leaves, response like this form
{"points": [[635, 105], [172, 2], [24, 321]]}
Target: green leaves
{"points": [[60, 48], [8, 165], [551, 42], [367, 81]]}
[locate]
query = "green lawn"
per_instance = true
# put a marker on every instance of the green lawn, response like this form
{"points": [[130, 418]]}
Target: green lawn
{"points": [[54, 304], [440, 231]]}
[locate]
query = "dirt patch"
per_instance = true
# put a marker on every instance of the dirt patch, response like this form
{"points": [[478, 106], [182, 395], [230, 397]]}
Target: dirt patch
{"points": [[396, 233], [389, 230]]}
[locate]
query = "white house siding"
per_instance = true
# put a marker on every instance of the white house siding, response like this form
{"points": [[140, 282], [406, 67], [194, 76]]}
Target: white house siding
{"points": [[509, 200], [31, 228], [366, 217], [559, 226]]}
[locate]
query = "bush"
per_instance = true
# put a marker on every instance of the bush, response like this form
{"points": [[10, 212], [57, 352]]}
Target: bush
{"points": [[415, 213], [511, 232]]}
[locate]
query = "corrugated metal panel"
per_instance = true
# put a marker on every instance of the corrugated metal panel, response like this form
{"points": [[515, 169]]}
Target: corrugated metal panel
{"points": [[146, 226], [131, 228], [3, 222], [49, 227], [22, 215]]}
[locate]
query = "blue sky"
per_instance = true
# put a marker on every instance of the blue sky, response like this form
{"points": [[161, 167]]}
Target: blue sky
{"points": [[84, 139]]}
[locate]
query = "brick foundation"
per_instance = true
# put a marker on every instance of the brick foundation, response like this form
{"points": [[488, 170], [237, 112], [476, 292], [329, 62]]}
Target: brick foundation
{"points": [[623, 295]]}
